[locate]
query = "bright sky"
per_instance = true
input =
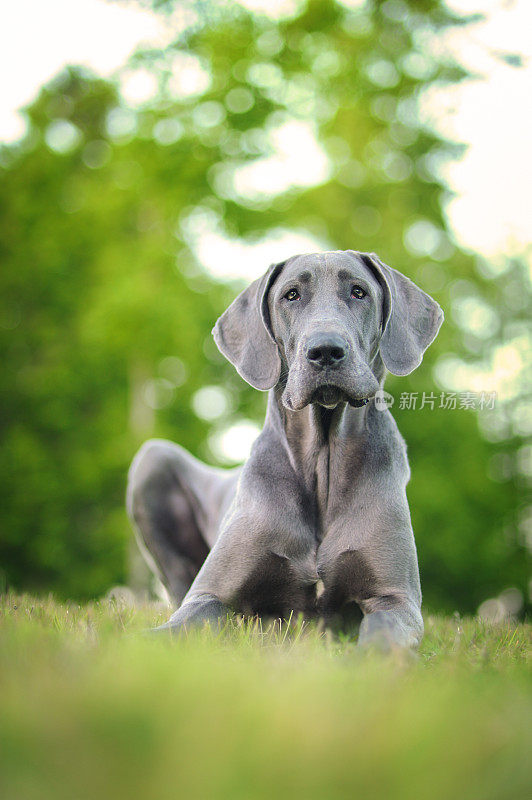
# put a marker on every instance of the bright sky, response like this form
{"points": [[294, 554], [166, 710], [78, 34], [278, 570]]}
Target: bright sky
{"points": [[491, 212]]}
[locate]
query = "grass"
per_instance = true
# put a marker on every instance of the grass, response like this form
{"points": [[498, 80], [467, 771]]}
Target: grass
{"points": [[90, 707]]}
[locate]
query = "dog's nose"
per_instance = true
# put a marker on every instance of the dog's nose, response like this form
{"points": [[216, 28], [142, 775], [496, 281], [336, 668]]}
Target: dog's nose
{"points": [[326, 351]]}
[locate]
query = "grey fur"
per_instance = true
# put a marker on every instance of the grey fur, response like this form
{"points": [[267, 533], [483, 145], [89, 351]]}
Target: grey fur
{"points": [[320, 506]]}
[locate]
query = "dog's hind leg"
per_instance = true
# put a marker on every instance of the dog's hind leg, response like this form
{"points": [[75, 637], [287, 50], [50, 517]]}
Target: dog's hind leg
{"points": [[173, 501]]}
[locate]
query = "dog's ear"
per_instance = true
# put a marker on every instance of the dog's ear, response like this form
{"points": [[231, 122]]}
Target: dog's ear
{"points": [[411, 318], [243, 334]]}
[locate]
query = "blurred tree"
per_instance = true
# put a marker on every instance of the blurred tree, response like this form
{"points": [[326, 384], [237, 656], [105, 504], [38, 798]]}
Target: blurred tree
{"points": [[104, 333], [110, 311]]}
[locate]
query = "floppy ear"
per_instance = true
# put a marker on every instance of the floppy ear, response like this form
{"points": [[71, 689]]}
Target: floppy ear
{"points": [[411, 318], [243, 334]]}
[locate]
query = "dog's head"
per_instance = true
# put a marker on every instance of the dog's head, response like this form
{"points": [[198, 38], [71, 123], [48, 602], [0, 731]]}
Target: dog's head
{"points": [[325, 326]]}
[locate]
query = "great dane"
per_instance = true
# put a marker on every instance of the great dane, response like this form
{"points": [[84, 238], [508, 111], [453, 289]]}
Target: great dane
{"points": [[317, 517]]}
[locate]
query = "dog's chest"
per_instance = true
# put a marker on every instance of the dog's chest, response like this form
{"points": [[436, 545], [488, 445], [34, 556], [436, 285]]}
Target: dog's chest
{"points": [[321, 490], [333, 477]]}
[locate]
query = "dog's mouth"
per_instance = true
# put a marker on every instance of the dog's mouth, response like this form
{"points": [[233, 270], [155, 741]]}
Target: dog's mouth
{"points": [[330, 388], [331, 396]]}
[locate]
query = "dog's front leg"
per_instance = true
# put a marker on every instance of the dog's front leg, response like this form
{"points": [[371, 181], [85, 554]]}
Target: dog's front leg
{"points": [[256, 566], [195, 612], [389, 628], [370, 558], [208, 600]]}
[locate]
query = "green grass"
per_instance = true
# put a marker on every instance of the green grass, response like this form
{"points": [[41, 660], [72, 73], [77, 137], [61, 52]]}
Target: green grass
{"points": [[90, 707]]}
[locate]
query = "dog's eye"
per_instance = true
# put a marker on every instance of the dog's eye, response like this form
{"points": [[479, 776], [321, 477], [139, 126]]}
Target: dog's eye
{"points": [[292, 295], [358, 292]]}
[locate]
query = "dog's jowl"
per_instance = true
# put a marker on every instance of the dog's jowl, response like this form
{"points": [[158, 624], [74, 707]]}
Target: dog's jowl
{"points": [[321, 500]]}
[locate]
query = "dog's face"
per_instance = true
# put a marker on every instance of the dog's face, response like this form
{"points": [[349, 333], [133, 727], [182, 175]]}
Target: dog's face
{"points": [[326, 314], [325, 326]]}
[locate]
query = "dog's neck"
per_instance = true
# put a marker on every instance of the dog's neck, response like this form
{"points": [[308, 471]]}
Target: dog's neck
{"points": [[310, 437]]}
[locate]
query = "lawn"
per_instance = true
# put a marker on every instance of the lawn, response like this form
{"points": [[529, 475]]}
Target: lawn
{"points": [[92, 707]]}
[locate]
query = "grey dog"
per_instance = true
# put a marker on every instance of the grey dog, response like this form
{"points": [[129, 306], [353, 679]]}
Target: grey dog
{"points": [[317, 517]]}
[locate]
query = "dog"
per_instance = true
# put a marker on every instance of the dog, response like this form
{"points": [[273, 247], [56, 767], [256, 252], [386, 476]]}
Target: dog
{"points": [[317, 518]]}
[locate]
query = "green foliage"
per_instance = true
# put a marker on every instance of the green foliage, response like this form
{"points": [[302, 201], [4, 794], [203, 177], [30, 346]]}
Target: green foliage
{"points": [[89, 709], [108, 312], [96, 304]]}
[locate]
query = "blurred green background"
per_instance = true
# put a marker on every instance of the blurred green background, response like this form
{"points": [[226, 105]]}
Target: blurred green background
{"points": [[106, 306]]}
